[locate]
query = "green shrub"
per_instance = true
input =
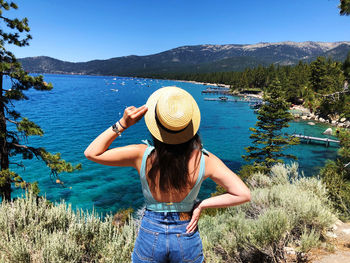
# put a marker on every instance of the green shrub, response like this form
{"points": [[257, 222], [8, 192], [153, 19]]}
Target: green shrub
{"points": [[286, 209], [308, 240], [33, 230], [122, 217], [338, 186]]}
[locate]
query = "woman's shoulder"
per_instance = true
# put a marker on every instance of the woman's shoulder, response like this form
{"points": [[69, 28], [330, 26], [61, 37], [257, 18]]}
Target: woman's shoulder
{"points": [[140, 147], [212, 163], [136, 150]]}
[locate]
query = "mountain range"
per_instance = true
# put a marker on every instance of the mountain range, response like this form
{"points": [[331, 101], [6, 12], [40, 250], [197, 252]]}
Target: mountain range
{"points": [[199, 58]]}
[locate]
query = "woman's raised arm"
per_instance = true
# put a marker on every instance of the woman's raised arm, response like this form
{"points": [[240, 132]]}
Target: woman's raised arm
{"points": [[98, 151]]}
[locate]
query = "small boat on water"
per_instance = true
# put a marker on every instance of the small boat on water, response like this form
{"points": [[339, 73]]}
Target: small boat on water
{"points": [[223, 98]]}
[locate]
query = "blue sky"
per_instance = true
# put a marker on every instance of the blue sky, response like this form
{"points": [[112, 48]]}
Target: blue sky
{"points": [[82, 30]]}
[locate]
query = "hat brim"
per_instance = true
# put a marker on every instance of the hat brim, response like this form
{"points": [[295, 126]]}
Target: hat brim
{"points": [[160, 133]]}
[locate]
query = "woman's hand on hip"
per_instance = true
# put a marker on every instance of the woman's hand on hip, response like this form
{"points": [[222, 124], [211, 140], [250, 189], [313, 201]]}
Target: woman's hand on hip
{"points": [[192, 225], [132, 115]]}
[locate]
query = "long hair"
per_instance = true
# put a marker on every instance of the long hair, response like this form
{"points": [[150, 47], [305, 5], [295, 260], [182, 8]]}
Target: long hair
{"points": [[171, 161]]}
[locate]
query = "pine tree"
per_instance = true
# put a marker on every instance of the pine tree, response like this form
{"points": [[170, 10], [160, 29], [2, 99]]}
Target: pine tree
{"points": [[326, 76], [11, 139], [268, 139], [346, 68], [344, 7]]}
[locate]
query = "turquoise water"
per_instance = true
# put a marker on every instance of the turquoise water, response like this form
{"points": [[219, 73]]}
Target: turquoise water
{"points": [[79, 108]]}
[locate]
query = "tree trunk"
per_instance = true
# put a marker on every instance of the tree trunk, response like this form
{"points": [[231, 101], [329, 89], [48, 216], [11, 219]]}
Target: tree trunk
{"points": [[5, 189]]}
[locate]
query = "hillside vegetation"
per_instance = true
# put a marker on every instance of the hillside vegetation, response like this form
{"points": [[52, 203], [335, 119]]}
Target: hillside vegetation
{"points": [[194, 59], [286, 211], [321, 86]]}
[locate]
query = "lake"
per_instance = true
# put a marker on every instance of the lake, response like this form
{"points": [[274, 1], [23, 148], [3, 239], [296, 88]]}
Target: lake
{"points": [[79, 108]]}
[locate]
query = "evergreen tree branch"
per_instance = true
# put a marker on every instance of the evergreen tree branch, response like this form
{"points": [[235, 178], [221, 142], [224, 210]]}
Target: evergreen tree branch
{"points": [[9, 120], [18, 164]]}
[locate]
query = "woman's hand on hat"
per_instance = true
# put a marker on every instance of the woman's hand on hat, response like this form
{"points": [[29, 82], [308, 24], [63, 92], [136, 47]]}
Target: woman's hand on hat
{"points": [[132, 115]]}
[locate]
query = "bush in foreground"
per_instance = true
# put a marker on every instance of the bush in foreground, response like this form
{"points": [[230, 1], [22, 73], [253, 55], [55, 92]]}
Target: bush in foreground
{"points": [[34, 230], [285, 211]]}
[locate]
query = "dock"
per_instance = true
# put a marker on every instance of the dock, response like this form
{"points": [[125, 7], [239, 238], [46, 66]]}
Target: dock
{"points": [[309, 139], [217, 91], [234, 100], [218, 99]]}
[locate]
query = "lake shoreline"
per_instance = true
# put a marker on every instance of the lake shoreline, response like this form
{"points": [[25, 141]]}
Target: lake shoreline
{"points": [[304, 113], [300, 112]]}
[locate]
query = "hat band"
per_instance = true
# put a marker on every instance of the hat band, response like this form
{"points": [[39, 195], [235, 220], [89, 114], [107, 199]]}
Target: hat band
{"points": [[165, 128]]}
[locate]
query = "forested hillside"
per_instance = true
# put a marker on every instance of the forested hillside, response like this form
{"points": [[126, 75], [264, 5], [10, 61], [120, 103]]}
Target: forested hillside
{"points": [[194, 59]]}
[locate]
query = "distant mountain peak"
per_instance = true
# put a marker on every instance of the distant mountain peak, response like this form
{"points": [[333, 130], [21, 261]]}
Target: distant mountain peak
{"points": [[325, 46], [196, 58]]}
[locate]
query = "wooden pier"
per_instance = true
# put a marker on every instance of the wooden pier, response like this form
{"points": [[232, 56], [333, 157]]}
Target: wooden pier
{"points": [[218, 99], [309, 139], [235, 100], [217, 91]]}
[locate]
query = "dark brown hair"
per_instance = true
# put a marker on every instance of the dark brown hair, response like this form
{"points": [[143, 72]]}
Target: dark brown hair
{"points": [[171, 160]]}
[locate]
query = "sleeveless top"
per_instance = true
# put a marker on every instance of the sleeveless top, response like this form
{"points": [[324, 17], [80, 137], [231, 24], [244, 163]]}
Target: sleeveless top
{"points": [[186, 204]]}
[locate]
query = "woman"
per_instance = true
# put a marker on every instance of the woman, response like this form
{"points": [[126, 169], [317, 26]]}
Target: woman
{"points": [[171, 173]]}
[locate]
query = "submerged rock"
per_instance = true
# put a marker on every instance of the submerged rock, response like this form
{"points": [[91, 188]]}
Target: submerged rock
{"points": [[329, 131]]}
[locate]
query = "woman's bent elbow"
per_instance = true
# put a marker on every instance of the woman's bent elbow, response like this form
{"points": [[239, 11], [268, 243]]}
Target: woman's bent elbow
{"points": [[87, 154], [247, 196]]}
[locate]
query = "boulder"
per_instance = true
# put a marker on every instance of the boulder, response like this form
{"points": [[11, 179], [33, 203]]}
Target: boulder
{"points": [[342, 119], [334, 122], [289, 250], [311, 123], [329, 131], [322, 120], [304, 117], [346, 231], [331, 234]]}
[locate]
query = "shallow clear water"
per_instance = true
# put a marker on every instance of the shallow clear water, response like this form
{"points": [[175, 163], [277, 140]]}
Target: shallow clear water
{"points": [[79, 108]]}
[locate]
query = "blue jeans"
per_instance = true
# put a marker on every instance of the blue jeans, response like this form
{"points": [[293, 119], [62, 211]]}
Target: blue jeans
{"points": [[162, 238]]}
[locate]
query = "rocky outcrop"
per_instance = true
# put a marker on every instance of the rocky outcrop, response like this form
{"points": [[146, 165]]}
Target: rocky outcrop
{"points": [[300, 112]]}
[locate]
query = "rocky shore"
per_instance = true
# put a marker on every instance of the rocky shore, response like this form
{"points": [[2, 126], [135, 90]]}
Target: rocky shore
{"points": [[300, 112], [206, 83]]}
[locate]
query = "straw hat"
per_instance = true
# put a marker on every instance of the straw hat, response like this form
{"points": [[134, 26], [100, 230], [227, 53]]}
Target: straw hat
{"points": [[173, 116]]}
